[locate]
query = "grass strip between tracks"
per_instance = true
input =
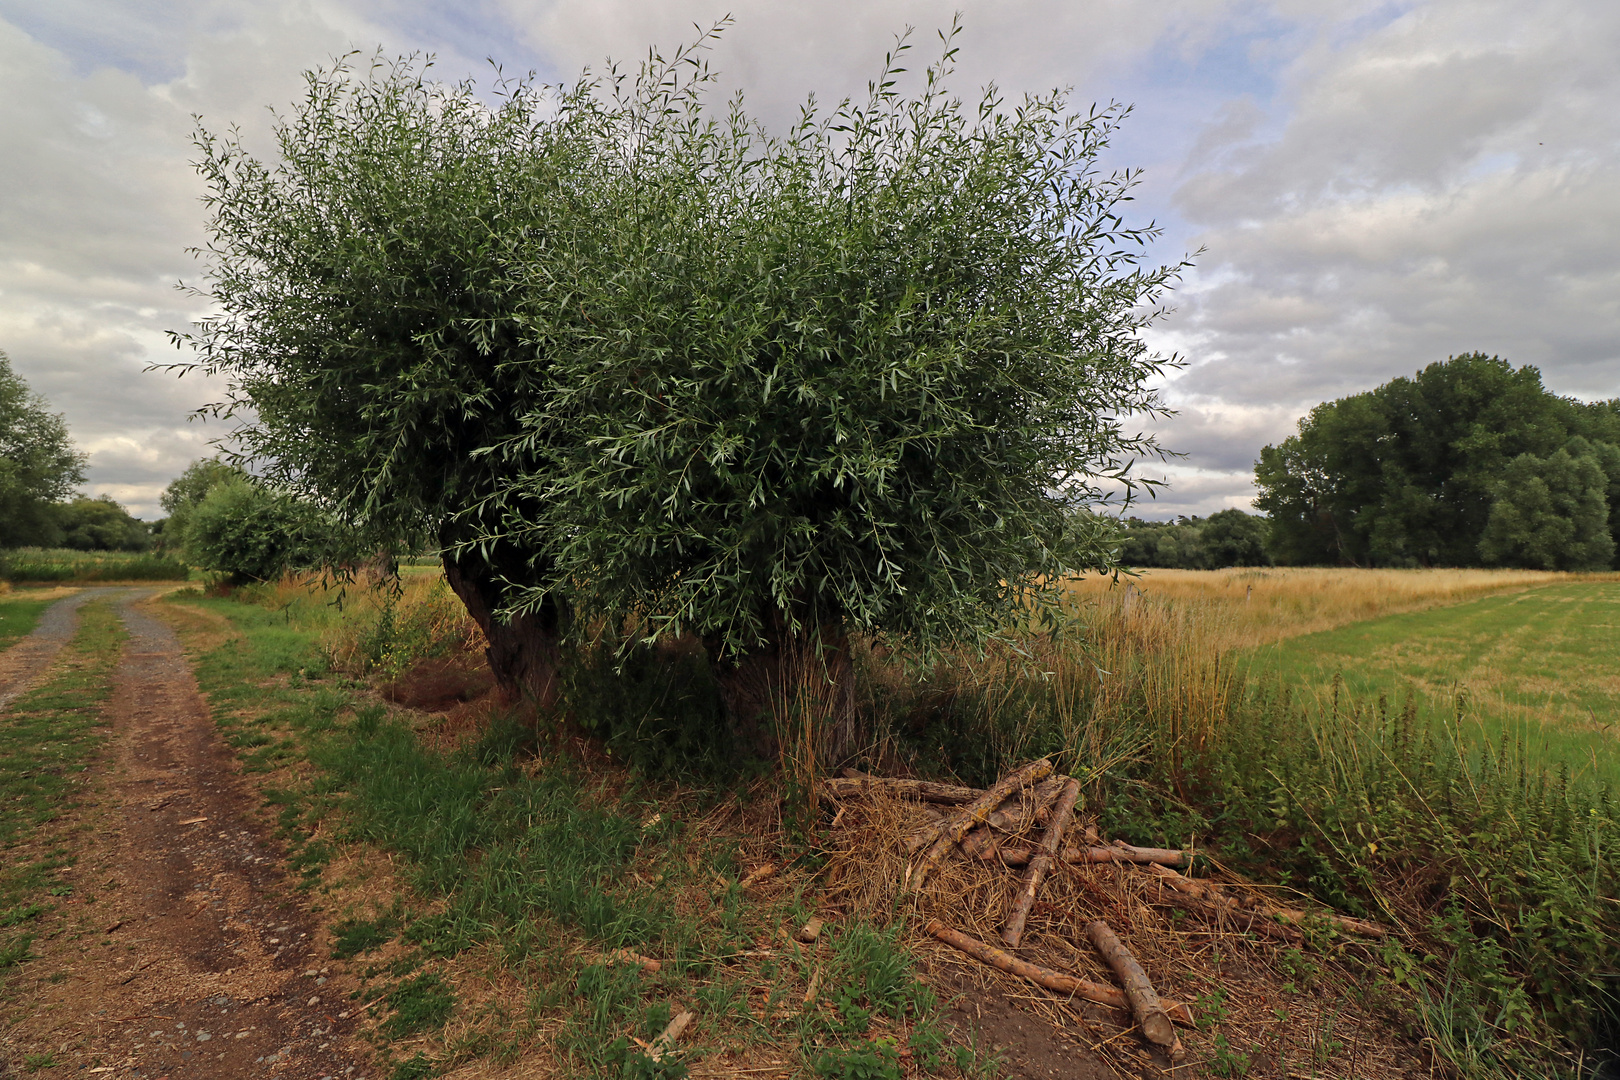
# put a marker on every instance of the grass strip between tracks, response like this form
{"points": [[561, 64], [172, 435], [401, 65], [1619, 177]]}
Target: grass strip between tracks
{"points": [[18, 617], [48, 738]]}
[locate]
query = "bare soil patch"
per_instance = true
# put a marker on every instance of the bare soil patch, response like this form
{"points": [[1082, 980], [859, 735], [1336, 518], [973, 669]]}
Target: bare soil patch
{"points": [[185, 951], [440, 683]]}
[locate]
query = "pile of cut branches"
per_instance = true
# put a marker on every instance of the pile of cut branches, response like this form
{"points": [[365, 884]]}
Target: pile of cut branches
{"points": [[1087, 919]]}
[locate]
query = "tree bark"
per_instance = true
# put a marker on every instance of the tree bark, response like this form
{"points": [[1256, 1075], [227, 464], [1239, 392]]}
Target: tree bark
{"points": [[1145, 1005], [525, 650]]}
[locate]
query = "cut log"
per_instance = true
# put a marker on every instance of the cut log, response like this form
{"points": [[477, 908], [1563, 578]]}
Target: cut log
{"points": [[666, 1039], [975, 813], [1012, 816], [810, 931], [1118, 852], [1145, 1005], [1057, 981], [1019, 855], [1013, 933], [855, 785], [756, 876], [1015, 817], [1294, 917], [1208, 898], [1291, 916], [645, 963]]}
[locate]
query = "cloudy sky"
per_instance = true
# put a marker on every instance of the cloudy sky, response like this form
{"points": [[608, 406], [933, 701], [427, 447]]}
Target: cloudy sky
{"points": [[1376, 186]]}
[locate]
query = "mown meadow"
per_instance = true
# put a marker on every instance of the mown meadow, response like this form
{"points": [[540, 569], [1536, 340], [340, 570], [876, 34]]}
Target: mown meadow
{"points": [[1334, 775], [1537, 666]]}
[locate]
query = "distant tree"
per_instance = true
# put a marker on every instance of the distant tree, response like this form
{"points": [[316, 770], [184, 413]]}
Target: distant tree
{"points": [[185, 492], [1608, 458], [38, 464], [251, 533], [1551, 513], [1226, 538], [1234, 538], [1408, 474], [100, 524]]}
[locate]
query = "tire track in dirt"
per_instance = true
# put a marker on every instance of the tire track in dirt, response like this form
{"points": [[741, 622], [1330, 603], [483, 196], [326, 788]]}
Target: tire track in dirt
{"points": [[190, 955], [23, 663]]}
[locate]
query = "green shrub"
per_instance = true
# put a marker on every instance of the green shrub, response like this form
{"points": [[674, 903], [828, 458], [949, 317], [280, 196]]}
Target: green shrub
{"points": [[657, 709], [251, 533]]}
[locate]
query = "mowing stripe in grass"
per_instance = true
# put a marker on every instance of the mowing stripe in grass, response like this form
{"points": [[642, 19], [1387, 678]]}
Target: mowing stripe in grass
{"points": [[1537, 666]]}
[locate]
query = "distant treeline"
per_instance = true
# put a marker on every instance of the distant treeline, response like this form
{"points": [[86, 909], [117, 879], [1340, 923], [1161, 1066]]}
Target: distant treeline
{"points": [[39, 470], [1227, 538], [1470, 462]]}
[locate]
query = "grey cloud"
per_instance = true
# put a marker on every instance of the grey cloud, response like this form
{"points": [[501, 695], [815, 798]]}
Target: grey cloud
{"points": [[100, 202], [1220, 436], [1192, 492], [782, 52], [1405, 212]]}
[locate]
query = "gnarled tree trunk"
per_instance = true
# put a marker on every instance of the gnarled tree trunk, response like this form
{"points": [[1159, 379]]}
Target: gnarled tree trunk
{"points": [[524, 650]]}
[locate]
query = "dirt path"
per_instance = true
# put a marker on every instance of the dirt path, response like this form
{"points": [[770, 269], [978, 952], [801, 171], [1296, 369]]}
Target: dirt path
{"points": [[23, 663], [184, 952]]}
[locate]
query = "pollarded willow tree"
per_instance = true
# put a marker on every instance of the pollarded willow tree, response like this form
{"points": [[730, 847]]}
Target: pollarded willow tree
{"points": [[369, 314], [622, 353], [859, 377]]}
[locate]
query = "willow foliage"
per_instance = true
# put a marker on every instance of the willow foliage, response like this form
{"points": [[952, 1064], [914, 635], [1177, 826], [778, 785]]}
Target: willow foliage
{"points": [[625, 352], [862, 374]]}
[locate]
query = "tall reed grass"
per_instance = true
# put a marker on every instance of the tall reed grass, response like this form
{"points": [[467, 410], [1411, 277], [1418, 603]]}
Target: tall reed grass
{"points": [[374, 629], [1497, 868]]}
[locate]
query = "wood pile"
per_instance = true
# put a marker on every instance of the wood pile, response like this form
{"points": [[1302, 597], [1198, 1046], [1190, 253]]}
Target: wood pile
{"points": [[1026, 823]]}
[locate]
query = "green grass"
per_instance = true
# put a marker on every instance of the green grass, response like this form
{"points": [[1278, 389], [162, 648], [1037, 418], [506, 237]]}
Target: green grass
{"points": [[18, 617], [65, 565], [544, 867], [1540, 666], [47, 738]]}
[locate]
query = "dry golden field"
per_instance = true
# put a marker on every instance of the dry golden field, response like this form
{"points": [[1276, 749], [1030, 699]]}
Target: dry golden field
{"points": [[1244, 607]]}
